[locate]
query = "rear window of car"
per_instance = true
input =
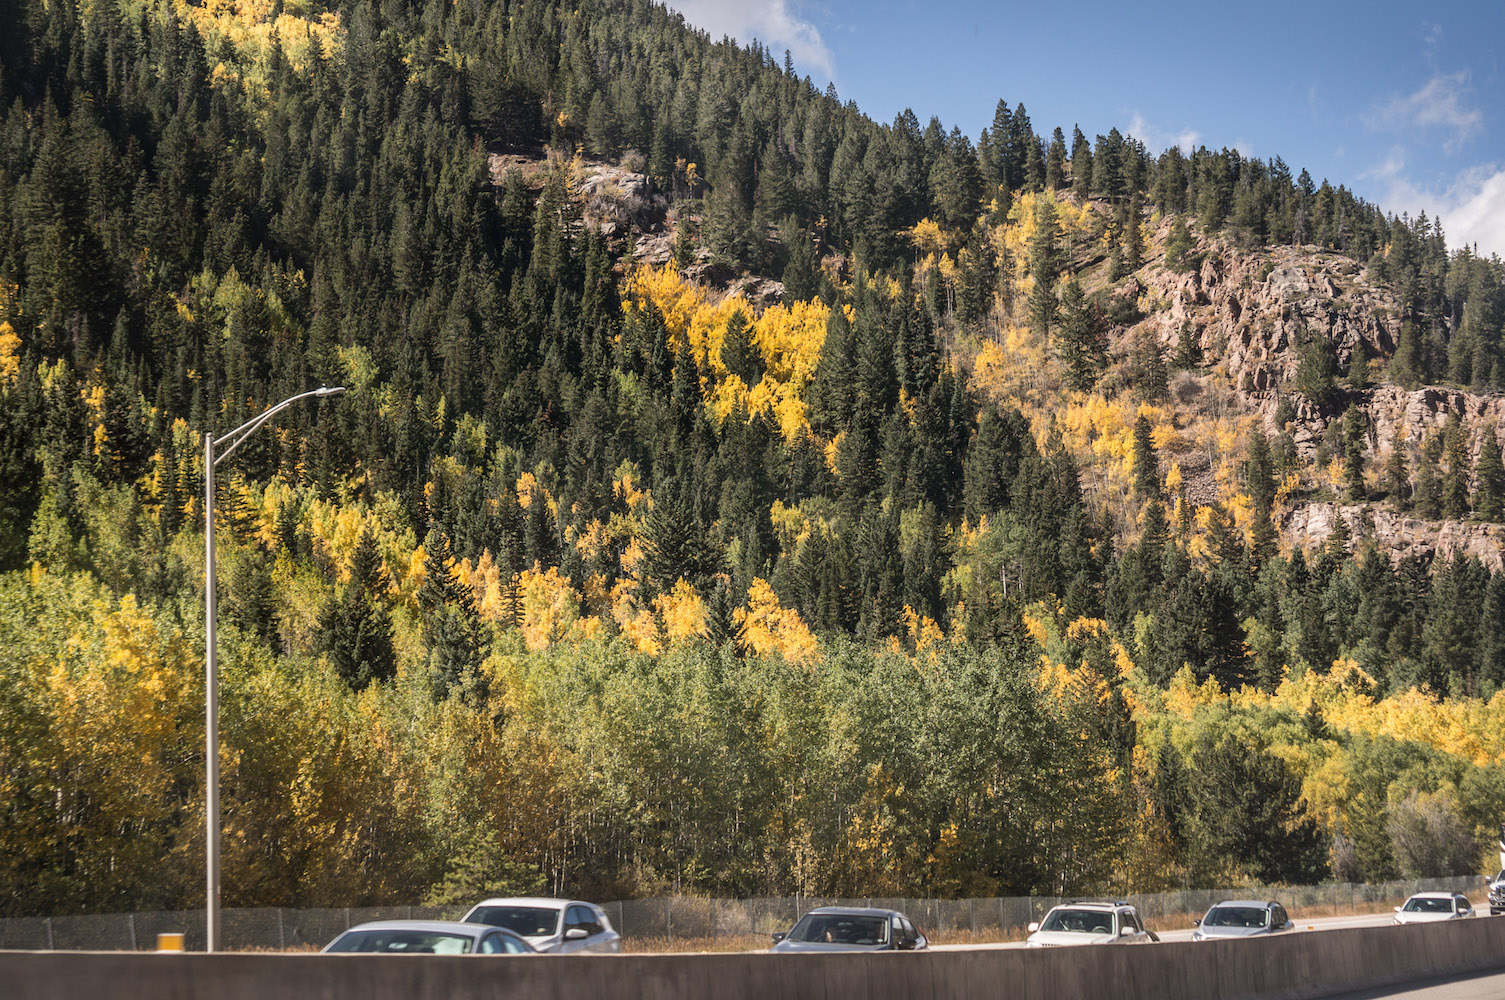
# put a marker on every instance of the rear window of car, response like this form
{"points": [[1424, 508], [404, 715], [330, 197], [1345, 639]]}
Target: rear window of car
{"points": [[1079, 921], [1237, 916], [840, 928], [400, 942], [529, 921], [1417, 904]]}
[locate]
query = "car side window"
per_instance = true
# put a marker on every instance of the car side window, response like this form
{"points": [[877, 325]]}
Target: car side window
{"points": [[581, 917], [909, 930], [514, 947], [598, 916], [492, 944], [1129, 919], [1278, 916]]}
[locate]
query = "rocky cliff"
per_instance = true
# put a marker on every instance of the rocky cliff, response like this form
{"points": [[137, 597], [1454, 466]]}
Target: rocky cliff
{"points": [[1251, 313]]}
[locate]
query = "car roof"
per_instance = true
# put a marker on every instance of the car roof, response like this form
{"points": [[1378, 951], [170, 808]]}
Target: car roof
{"points": [[855, 911], [540, 901], [426, 926], [1434, 895], [1264, 903], [1088, 904]]}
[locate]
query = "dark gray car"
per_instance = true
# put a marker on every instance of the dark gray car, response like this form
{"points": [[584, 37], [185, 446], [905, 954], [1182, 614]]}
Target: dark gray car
{"points": [[851, 928], [1241, 918]]}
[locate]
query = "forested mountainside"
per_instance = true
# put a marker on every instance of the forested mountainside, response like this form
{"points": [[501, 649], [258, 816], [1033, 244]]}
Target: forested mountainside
{"points": [[733, 495]]}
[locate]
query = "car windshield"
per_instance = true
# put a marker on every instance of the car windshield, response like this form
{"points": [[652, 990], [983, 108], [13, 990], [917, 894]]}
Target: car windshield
{"points": [[1418, 904], [840, 928], [1237, 916], [403, 942], [1079, 921], [529, 921]]}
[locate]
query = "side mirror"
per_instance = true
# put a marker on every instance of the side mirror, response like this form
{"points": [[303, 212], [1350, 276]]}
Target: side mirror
{"points": [[1034, 926], [1397, 909], [1125, 931], [778, 936], [1197, 922], [576, 934]]}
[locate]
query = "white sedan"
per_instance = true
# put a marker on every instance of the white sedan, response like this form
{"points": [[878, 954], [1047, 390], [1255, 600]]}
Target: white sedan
{"points": [[1430, 907], [553, 926], [427, 937]]}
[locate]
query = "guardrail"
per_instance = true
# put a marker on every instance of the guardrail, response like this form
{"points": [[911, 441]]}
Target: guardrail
{"points": [[1289, 966], [679, 917]]}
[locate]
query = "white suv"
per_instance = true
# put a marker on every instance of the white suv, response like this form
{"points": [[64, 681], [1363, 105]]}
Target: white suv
{"points": [[556, 926], [1089, 921]]}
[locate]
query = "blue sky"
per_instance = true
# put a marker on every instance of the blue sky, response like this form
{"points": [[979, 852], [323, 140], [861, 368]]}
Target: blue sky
{"points": [[1403, 103]]}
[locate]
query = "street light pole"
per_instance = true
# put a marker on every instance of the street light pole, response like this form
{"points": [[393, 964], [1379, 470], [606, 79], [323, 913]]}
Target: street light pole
{"points": [[234, 440]]}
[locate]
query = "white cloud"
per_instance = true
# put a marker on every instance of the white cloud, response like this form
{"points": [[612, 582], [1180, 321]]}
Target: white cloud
{"points": [[1157, 140], [1442, 102], [1472, 208], [770, 22]]}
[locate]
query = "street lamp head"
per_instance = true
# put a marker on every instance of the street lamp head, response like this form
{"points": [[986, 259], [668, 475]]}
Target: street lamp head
{"points": [[328, 390]]}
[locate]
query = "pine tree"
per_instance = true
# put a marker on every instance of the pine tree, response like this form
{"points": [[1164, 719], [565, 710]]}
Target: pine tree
{"points": [[1316, 376], [1147, 372], [1179, 245], [1080, 341], [1489, 477], [1132, 240], [1427, 495], [1397, 479], [1146, 468], [451, 629], [1081, 165], [1045, 261], [1354, 433], [1262, 488], [738, 353], [1455, 479], [1055, 160]]}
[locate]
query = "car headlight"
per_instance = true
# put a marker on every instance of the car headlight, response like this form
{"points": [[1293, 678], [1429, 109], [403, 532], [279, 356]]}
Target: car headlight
{"points": [[1197, 936]]}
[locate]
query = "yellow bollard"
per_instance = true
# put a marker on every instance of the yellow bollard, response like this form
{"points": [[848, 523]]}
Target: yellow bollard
{"points": [[170, 943]]}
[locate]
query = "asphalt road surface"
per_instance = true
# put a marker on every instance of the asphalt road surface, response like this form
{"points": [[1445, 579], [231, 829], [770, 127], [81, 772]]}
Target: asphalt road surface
{"points": [[1489, 986]]}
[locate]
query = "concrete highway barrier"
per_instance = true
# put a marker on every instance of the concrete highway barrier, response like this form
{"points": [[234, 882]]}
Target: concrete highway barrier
{"points": [[1296, 966]]}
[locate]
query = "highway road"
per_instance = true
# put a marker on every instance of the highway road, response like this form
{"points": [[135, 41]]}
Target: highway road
{"points": [[1489, 986]]}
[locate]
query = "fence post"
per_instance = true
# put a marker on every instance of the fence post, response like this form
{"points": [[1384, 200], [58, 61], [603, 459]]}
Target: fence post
{"points": [[49, 934], [282, 934], [715, 909], [347, 918], [130, 919], [669, 917]]}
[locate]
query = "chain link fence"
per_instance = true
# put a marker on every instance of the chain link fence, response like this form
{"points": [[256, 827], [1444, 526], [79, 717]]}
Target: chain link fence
{"points": [[682, 917]]}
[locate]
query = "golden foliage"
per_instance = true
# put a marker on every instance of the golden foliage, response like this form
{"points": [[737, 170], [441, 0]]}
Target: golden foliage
{"points": [[789, 338], [10, 347], [766, 627], [548, 605]]}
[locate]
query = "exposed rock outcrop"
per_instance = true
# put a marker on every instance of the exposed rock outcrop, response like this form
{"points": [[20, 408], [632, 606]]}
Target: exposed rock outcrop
{"points": [[1401, 536]]}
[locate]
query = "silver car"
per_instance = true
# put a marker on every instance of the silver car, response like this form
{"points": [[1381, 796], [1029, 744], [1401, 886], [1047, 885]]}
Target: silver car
{"points": [[427, 937], [555, 926], [1430, 907], [1241, 918], [1089, 921], [851, 928]]}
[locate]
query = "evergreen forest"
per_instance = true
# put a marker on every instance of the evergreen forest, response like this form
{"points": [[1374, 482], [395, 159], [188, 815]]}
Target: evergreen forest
{"points": [[733, 495]]}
